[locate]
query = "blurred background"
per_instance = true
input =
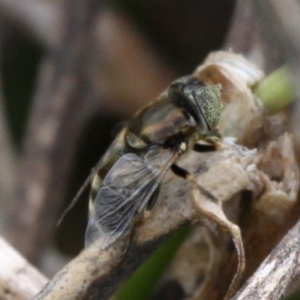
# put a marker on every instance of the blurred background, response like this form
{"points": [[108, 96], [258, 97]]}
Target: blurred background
{"points": [[70, 70]]}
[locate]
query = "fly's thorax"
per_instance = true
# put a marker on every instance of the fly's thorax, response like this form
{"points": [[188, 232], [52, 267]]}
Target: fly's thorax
{"points": [[160, 124]]}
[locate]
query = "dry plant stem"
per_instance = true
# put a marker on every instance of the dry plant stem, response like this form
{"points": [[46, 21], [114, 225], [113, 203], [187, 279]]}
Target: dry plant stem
{"points": [[8, 163], [279, 22], [41, 18], [97, 273], [8, 155], [59, 111], [243, 36], [18, 279], [240, 35], [279, 271]]}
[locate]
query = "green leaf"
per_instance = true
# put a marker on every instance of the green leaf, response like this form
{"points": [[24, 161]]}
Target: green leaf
{"points": [[276, 91], [142, 283]]}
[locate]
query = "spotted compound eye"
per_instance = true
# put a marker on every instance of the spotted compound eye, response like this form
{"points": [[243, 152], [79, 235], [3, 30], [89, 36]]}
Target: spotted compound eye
{"points": [[208, 98]]}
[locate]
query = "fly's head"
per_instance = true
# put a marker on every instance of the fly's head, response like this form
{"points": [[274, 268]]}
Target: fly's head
{"points": [[202, 102]]}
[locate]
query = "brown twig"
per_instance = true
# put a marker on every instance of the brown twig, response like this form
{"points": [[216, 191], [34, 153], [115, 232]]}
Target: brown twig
{"points": [[8, 158], [18, 279], [279, 23], [40, 18], [241, 32], [54, 128], [279, 271], [8, 162]]}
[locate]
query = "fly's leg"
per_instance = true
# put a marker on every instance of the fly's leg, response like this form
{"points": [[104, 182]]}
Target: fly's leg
{"points": [[211, 207], [150, 204], [204, 148], [210, 143], [153, 199]]}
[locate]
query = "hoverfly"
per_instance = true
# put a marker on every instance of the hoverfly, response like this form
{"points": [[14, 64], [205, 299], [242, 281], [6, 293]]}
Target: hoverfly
{"points": [[126, 180]]}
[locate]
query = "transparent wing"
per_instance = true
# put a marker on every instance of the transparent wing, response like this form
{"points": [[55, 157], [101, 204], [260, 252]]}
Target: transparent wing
{"points": [[116, 146], [127, 188]]}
